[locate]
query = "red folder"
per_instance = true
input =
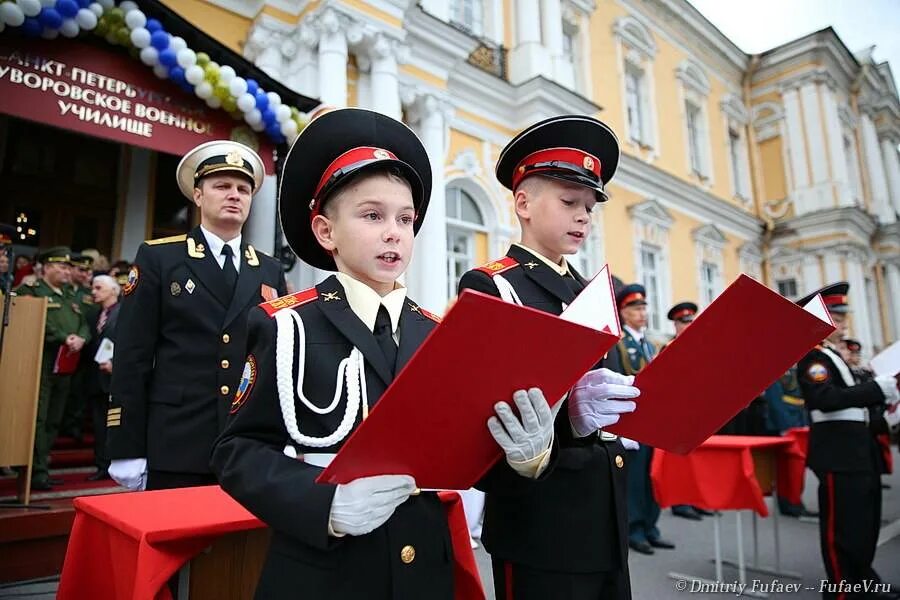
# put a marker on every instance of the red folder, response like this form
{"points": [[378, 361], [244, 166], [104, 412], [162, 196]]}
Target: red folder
{"points": [[746, 339], [431, 423], [66, 362]]}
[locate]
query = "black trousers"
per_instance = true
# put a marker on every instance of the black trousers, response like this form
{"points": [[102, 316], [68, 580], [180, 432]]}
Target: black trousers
{"points": [[99, 404], [513, 581], [849, 521], [167, 480]]}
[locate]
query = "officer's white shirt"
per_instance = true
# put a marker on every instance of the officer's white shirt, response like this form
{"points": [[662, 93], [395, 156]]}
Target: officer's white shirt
{"points": [[637, 335], [216, 244]]}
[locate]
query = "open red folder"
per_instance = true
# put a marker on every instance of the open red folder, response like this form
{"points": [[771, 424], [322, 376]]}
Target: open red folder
{"points": [[431, 422], [746, 339]]}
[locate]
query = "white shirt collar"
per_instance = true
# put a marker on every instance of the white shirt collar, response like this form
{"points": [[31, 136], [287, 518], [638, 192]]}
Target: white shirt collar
{"points": [[637, 335], [364, 301], [216, 243], [561, 268]]}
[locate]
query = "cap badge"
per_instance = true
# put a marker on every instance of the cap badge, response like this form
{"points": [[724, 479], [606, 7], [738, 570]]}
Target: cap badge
{"points": [[234, 158], [381, 154], [588, 163]]}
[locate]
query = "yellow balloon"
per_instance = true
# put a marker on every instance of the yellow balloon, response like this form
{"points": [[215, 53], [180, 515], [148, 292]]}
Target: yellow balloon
{"points": [[229, 104], [202, 59], [212, 72], [222, 93]]}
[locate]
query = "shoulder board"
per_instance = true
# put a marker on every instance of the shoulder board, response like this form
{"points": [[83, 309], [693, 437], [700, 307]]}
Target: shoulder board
{"points": [[495, 267], [290, 301], [166, 240], [428, 315]]}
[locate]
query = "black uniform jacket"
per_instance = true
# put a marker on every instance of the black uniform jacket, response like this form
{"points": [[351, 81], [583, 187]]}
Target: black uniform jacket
{"points": [[837, 445], [250, 463], [97, 381], [573, 519], [180, 346]]}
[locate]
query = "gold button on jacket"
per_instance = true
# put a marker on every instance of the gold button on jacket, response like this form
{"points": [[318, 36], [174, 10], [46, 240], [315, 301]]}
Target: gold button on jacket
{"points": [[408, 554], [226, 338], [620, 462], [225, 364], [224, 390]]}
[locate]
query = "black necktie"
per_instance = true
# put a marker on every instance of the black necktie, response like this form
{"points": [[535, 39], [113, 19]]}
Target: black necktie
{"points": [[384, 336], [228, 267]]}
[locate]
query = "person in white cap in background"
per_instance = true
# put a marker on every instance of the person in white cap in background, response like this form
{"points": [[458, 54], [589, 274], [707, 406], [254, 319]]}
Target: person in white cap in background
{"points": [[181, 335]]}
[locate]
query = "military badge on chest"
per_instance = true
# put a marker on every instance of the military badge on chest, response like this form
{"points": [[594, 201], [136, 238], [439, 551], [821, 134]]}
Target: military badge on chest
{"points": [[175, 288]]}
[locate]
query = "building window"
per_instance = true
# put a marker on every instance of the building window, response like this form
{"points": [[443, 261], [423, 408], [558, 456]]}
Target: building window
{"points": [[634, 104], [694, 132], [464, 223], [568, 40], [651, 279], [468, 14], [709, 281], [787, 287]]}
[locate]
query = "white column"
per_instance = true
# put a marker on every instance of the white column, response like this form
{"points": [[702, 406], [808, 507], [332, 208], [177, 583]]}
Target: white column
{"points": [[552, 30], [861, 323], [832, 267], [797, 150], [875, 167], [812, 275], [874, 307], [839, 177], [529, 57], [260, 227], [427, 274], [332, 61], [385, 87], [820, 196], [302, 70], [134, 225], [892, 277], [892, 167], [437, 8]]}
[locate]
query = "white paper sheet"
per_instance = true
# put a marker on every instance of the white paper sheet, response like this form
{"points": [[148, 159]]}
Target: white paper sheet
{"points": [[888, 360], [104, 352], [595, 306]]}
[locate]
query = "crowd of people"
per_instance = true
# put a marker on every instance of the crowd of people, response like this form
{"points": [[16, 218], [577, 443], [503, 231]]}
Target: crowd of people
{"points": [[200, 369]]}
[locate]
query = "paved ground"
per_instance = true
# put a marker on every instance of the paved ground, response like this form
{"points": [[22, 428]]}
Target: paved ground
{"points": [[650, 574]]}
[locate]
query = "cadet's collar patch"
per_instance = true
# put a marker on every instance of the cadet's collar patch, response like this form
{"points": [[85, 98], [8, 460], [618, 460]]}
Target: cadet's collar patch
{"points": [[291, 300], [134, 276], [329, 296], [248, 378], [817, 373], [194, 249], [496, 267]]}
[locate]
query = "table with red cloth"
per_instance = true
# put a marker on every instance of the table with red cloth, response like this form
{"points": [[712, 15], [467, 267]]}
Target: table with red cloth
{"points": [[127, 546], [721, 473]]}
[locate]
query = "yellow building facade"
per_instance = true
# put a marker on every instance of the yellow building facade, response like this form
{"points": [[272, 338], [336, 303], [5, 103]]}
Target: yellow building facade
{"points": [[781, 165]]}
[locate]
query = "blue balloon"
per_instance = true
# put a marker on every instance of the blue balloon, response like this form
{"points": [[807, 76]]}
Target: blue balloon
{"points": [[268, 116], [84, 3], [31, 27], [252, 86], [186, 86], [67, 8], [262, 101], [176, 74], [159, 40], [168, 58], [50, 18], [152, 25]]}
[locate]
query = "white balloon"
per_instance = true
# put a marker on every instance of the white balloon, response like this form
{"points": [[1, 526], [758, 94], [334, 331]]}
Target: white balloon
{"points": [[274, 99], [282, 113], [253, 117], [96, 8], [246, 102], [226, 74], [213, 102], [289, 128], [258, 126], [50, 34], [88, 20], [237, 86], [31, 8], [186, 57], [11, 14], [69, 28], [177, 43], [150, 56], [135, 19], [106, 4], [128, 6], [161, 71], [48, 3], [204, 90], [140, 37], [194, 74]]}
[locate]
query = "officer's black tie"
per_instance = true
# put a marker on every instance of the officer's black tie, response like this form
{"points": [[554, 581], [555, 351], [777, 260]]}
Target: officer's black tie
{"points": [[384, 336], [228, 268]]}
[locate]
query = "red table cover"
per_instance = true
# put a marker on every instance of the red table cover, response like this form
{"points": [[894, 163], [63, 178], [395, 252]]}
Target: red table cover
{"points": [[127, 546], [719, 474]]}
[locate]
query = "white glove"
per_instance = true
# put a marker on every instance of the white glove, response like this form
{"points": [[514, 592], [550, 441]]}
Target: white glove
{"points": [[130, 473], [525, 439], [629, 444], [598, 399], [888, 385], [364, 504]]}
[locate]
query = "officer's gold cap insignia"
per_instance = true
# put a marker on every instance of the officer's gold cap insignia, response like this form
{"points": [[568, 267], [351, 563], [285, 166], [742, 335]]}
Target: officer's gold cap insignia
{"points": [[234, 158], [189, 286], [175, 288], [134, 276]]}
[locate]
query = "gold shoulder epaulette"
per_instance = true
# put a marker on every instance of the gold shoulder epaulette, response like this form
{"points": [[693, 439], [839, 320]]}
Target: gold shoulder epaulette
{"points": [[167, 240]]}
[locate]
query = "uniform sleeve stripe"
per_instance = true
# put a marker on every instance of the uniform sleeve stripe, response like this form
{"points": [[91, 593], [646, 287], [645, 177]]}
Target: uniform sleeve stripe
{"points": [[291, 300]]}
